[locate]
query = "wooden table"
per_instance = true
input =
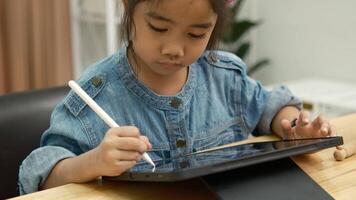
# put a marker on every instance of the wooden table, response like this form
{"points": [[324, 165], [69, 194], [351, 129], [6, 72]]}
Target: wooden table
{"points": [[192, 189], [338, 178]]}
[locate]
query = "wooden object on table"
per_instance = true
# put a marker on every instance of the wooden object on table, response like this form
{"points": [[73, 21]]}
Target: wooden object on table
{"points": [[337, 178], [345, 151]]}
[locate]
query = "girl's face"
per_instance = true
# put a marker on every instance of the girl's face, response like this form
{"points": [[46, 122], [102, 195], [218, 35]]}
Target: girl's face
{"points": [[169, 35]]}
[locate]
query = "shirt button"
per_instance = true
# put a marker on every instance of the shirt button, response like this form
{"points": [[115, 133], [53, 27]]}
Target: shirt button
{"points": [[181, 143], [97, 81], [175, 103], [213, 58]]}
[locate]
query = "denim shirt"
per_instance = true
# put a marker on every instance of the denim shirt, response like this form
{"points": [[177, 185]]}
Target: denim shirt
{"points": [[218, 104]]}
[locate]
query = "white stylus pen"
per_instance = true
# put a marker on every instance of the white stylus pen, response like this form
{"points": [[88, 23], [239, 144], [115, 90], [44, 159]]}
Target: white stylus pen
{"points": [[103, 115]]}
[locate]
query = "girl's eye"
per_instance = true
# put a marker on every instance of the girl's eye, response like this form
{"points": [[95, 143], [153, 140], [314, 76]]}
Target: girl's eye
{"points": [[160, 30], [195, 36]]}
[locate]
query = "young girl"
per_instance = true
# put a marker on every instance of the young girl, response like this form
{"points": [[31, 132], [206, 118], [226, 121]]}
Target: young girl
{"points": [[170, 94]]}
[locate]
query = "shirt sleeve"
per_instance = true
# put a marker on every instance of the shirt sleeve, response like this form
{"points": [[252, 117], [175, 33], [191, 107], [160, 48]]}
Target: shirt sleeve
{"points": [[260, 105], [62, 140], [37, 166]]}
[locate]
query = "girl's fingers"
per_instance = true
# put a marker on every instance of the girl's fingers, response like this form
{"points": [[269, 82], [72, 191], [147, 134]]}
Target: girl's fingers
{"points": [[321, 124], [317, 123], [123, 155], [324, 129], [300, 120], [145, 139], [287, 129], [124, 165], [125, 131], [332, 131], [130, 144], [303, 119]]}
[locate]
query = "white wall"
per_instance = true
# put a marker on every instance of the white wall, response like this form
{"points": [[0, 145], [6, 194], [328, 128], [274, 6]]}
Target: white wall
{"points": [[90, 32], [305, 38], [94, 6], [302, 38]]}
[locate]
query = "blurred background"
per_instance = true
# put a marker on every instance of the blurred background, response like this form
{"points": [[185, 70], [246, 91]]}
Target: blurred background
{"points": [[308, 45]]}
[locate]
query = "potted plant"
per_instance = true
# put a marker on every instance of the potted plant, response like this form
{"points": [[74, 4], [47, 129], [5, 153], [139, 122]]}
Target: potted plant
{"points": [[236, 29]]}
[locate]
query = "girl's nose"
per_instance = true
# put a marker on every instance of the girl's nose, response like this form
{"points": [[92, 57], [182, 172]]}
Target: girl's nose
{"points": [[173, 50]]}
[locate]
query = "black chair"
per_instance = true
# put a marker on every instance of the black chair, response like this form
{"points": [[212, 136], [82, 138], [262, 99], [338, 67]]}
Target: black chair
{"points": [[24, 117]]}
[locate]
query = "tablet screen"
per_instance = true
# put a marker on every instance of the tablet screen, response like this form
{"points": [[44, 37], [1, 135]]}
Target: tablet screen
{"points": [[195, 164]]}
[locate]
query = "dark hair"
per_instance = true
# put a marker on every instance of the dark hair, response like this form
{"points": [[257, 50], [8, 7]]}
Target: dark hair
{"points": [[218, 7]]}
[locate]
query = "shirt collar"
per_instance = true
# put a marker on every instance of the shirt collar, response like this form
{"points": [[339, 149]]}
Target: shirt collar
{"points": [[131, 82]]}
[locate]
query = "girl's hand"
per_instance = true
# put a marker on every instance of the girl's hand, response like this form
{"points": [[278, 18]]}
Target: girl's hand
{"points": [[320, 127], [120, 150]]}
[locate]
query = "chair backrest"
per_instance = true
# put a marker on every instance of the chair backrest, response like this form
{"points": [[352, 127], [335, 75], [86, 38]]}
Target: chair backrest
{"points": [[24, 117]]}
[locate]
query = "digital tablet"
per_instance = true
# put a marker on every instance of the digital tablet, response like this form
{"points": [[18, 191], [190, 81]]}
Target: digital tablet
{"points": [[209, 162]]}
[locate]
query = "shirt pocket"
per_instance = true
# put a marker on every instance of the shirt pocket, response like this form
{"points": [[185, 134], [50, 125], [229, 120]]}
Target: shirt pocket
{"points": [[227, 133]]}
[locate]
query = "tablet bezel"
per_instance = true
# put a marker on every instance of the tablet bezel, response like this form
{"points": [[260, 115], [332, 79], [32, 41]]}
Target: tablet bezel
{"points": [[184, 174]]}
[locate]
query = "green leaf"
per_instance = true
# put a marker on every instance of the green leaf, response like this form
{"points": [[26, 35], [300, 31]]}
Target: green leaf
{"points": [[237, 7], [257, 66], [243, 50], [238, 29]]}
